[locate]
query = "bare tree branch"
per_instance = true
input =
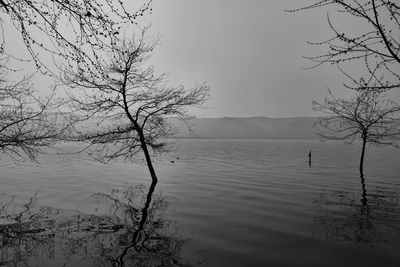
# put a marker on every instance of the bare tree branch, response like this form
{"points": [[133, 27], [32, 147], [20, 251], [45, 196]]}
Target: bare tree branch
{"points": [[28, 123], [128, 101], [72, 30], [376, 46], [368, 116]]}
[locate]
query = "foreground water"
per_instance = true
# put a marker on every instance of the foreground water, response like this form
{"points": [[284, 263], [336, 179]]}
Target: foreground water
{"points": [[217, 203]]}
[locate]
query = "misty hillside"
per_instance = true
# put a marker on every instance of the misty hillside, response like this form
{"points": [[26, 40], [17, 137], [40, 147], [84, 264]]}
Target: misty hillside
{"points": [[248, 128]]}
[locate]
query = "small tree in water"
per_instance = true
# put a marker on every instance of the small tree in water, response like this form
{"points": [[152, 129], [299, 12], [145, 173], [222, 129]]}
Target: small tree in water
{"points": [[368, 116], [128, 101], [368, 56]]}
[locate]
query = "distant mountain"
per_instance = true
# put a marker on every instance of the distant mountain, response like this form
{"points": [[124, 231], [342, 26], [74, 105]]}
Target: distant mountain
{"points": [[248, 128]]}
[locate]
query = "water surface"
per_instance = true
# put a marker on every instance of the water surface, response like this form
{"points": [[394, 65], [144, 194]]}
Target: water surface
{"points": [[217, 203]]}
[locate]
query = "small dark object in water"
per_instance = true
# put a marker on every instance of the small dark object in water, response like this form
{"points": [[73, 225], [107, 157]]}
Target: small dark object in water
{"points": [[172, 161], [309, 158], [177, 157]]}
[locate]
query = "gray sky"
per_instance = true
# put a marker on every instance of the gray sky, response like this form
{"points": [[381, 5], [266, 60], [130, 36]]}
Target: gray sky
{"points": [[250, 52]]}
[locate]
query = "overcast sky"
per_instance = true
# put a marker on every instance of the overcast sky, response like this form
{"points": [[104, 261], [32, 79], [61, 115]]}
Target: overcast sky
{"points": [[249, 52]]}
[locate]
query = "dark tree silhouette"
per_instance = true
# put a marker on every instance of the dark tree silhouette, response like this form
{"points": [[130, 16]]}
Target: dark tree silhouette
{"points": [[28, 123], [376, 45], [372, 51], [128, 101], [72, 29], [368, 116]]}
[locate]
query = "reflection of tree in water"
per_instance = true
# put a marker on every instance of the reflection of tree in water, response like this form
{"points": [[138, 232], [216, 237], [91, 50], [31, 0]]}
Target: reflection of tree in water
{"points": [[21, 233], [130, 231], [374, 219]]}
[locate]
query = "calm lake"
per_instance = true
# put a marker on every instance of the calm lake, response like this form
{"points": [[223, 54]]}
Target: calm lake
{"points": [[217, 203]]}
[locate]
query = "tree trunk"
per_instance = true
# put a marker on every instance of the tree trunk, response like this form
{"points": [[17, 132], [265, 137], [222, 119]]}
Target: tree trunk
{"points": [[364, 142], [145, 209], [147, 156], [364, 200]]}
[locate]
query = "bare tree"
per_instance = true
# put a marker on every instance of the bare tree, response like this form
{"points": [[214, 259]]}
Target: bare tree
{"points": [[51, 30], [128, 101], [368, 116], [27, 124], [72, 30], [376, 46], [372, 53]]}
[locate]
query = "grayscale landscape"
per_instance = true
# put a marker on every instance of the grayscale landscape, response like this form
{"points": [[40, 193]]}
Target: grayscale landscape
{"points": [[214, 133]]}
